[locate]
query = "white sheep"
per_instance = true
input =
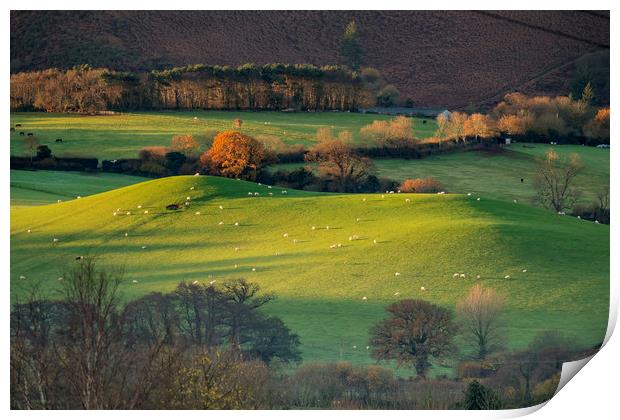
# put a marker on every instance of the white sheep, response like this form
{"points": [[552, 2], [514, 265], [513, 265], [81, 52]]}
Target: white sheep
{"points": [[374, 241], [397, 274], [146, 212], [221, 223], [256, 194], [326, 227], [197, 174], [270, 194], [60, 278], [114, 214], [237, 248], [462, 276], [285, 235], [134, 281], [332, 246], [236, 266], [212, 282], [396, 293], [139, 206], [407, 200], [29, 230], [284, 192], [236, 223], [126, 234], [59, 201], [514, 201], [524, 270], [455, 275], [295, 241], [507, 276], [382, 196], [78, 197], [191, 188], [188, 198], [364, 199], [250, 193], [478, 199], [269, 186], [357, 219], [128, 213], [55, 240], [143, 246], [469, 194], [339, 245], [195, 282], [253, 269], [187, 203], [313, 227], [22, 277], [364, 298], [478, 277], [423, 288], [197, 213]]}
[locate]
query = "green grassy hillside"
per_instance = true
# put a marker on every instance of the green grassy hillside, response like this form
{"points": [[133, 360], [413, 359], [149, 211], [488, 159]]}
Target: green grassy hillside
{"points": [[122, 136], [31, 188], [269, 239]]}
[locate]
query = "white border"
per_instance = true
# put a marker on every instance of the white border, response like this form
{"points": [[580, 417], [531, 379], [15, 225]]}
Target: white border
{"points": [[592, 395]]}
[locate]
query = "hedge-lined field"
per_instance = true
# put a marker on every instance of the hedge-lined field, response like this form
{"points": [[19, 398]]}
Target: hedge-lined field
{"points": [[123, 135]]}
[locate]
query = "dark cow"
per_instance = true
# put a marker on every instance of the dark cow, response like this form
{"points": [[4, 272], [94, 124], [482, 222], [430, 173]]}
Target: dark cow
{"points": [[173, 206], [79, 258], [21, 133], [30, 134], [12, 129], [18, 125], [423, 121], [58, 140]]}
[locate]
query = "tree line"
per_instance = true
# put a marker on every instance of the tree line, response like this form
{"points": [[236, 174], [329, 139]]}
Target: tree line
{"points": [[83, 89]]}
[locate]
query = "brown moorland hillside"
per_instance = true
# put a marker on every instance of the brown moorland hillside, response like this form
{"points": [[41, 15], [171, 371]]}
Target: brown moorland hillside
{"points": [[437, 58]]}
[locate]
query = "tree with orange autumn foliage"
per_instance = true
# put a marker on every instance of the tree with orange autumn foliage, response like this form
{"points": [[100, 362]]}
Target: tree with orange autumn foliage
{"points": [[514, 124], [234, 155], [479, 126], [598, 127], [185, 143]]}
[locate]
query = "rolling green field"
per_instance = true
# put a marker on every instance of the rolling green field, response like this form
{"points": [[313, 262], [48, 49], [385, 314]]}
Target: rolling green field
{"points": [[321, 289], [123, 135], [495, 175], [31, 188]]}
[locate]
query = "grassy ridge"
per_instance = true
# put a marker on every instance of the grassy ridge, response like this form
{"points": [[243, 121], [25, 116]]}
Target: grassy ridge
{"points": [[321, 289], [122, 136], [29, 188]]}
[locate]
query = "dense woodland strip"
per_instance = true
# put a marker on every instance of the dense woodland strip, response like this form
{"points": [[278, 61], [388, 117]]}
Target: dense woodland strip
{"points": [[83, 89]]}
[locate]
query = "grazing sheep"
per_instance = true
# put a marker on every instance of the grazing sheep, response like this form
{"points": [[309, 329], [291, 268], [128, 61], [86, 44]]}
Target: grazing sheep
{"points": [[118, 209], [455, 275], [397, 274], [221, 223], [78, 197], [195, 282], [339, 245], [212, 282], [596, 221], [468, 194], [332, 246], [407, 200], [357, 219], [236, 266], [187, 203], [478, 277], [29, 231], [237, 248], [374, 241], [269, 186], [146, 212], [364, 298], [524, 270], [188, 198], [197, 213], [284, 192], [55, 240], [326, 227], [441, 192], [250, 193], [128, 213], [22, 277], [60, 278], [354, 347], [221, 207], [382, 196], [114, 214], [256, 194], [514, 201], [423, 288], [253, 269], [294, 241], [236, 223], [285, 235], [578, 217], [313, 227], [367, 347], [197, 174], [140, 206], [507, 276], [59, 201], [478, 199], [260, 183], [270, 194], [143, 246], [191, 188], [134, 281], [126, 234], [396, 293], [462, 276]]}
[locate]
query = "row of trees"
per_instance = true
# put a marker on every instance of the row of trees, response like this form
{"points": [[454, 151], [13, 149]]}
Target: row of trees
{"points": [[560, 119], [83, 89]]}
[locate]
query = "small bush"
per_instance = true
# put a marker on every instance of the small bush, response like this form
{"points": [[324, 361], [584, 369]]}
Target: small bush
{"points": [[421, 186]]}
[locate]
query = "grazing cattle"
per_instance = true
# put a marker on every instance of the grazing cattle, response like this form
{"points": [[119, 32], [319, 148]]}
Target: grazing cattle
{"points": [[80, 257], [18, 125], [21, 133], [173, 207], [30, 134], [423, 121], [12, 129], [58, 140]]}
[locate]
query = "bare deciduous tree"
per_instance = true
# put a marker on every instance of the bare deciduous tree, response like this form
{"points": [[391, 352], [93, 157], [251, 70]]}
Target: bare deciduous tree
{"points": [[555, 181], [479, 314]]}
